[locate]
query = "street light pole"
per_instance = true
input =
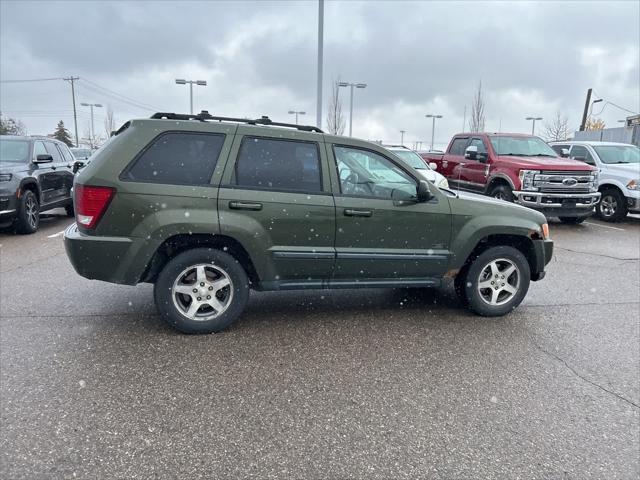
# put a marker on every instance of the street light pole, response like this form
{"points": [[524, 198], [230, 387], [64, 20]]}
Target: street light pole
{"points": [[533, 126], [182, 81], [320, 48], [402, 137], [292, 112], [356, 85], [91, 105], [433, 127]]}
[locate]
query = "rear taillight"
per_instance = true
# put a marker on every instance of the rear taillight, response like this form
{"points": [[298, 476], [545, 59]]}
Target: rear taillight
{"points": [[90, 203]]}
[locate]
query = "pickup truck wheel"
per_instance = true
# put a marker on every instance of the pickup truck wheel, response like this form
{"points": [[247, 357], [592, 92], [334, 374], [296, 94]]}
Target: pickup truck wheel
{"points": [[502, 192], [28, 218], [612, 206], [201, 291], [572, 220], [497, 281]]}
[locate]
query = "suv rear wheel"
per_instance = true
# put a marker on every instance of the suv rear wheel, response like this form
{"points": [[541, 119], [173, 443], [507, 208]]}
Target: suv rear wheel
{"points": [[201, 291], [28, 218], [612, 206], [497, 281]]}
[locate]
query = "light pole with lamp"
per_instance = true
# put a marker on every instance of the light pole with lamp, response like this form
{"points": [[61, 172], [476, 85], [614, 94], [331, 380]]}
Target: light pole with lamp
{"points": [[91, 105], [357, 85], [533, 126], [182, 81], [433, 127], [296, 113]]}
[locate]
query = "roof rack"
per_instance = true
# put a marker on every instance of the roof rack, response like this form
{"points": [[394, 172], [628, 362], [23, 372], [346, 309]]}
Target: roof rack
{"points": [[204, 115]]}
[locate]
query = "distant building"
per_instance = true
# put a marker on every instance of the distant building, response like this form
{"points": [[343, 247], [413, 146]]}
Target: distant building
{"points": [[630, 133]]}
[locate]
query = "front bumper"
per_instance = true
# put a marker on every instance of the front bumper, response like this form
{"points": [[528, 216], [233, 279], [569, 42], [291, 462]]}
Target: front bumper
{"points": [[633, 204], [110, 259], [559, 204], [8, 206], [543, 252]]}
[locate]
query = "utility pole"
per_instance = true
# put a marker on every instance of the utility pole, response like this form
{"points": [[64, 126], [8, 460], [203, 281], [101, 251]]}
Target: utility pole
{"points": [[586, 108], [320, 49], [72, 79]]}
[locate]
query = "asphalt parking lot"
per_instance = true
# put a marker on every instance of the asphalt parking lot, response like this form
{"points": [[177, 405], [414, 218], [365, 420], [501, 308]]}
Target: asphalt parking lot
{"points": [[342, 384]]}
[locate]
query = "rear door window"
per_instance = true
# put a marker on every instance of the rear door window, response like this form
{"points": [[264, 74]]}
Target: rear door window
{"points": [[458, 146], [273, 164], [177, 158]]}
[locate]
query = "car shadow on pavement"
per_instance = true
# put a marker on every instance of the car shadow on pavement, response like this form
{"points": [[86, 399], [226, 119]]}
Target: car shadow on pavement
{"points": [[47, 220]]}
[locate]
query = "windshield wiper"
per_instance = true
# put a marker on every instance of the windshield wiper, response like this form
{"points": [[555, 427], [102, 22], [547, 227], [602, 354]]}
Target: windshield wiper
{"points": [[542, 155]]}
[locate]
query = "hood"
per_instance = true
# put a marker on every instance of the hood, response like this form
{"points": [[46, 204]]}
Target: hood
{"points": [[544, 163], [432, 176], [501, 206], [630, 169], [13, 167]]}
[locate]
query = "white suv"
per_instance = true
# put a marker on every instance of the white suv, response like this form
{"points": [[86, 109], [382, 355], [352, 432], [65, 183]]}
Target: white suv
{"points": [[618, 165]]}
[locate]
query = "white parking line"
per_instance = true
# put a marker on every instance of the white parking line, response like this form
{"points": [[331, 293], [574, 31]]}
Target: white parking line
{"points": [[604, 226], [55, 234]]}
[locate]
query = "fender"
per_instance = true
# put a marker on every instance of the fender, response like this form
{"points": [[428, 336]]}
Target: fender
{"points": [[501, 176], [28, 182]]}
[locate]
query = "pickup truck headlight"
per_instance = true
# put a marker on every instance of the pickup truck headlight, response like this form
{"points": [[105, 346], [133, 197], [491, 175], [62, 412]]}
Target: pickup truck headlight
{"points": [[526, 179], [444, 183], [634, 185], [5, 177]]}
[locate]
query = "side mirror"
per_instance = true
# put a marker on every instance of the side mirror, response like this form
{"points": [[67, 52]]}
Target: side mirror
{"points": [[43, 158], [423, 193], [77, 165], [433, 166], [471, 152], [481, 157], [564, 153]]}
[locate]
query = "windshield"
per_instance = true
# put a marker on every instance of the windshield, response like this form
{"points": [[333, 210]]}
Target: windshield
{"points": [[16, 151], [412, 158], [618, 154], [522, 146]]}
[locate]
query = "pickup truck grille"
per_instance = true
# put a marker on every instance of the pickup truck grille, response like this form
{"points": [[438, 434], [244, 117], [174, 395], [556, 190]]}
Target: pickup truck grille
{"points": [[563, 182]]}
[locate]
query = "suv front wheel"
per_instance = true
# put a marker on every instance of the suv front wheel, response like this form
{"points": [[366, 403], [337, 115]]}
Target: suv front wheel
{"points": [[497, 281], [201, 291], [28, 218]]}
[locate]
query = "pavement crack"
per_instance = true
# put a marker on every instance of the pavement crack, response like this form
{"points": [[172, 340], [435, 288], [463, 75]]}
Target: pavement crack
{"points": [[598, 254], [577, 374]]}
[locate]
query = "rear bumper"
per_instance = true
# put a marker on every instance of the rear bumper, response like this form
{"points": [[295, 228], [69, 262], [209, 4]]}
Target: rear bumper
{"points": [[111, 259], [543, 252], [559, 204]]}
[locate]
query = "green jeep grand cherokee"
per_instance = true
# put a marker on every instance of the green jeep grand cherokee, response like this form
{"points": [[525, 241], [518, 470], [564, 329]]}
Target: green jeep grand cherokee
{"points": [[208, 207]]}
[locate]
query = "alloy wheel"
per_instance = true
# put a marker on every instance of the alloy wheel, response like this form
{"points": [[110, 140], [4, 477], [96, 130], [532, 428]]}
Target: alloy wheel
{"points": [[499, 281], [32, 212], [608, 205], [202, 292]]}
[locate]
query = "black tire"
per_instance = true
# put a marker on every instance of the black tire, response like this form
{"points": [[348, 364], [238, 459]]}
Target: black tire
{"points": [[459, 286], [506, 257], [612, 206], [236, 294], [502, 192], [70, 211], [28, 217], [572, 220]]}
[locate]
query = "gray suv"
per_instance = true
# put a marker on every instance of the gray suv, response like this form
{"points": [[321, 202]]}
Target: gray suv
{"points": [[36, 174]]}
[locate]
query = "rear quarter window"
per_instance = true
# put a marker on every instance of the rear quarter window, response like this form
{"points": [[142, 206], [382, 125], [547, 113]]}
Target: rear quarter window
{"points": [[177, 158]]}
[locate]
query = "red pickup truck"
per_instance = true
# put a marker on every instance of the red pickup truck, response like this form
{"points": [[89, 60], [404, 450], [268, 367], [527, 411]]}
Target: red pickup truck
{"points": [[522, 169]]}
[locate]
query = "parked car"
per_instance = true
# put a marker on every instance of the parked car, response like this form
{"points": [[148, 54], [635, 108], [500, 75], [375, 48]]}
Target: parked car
{"points": [[81, 153], [36, 175], [618, 167], [208, 207], [427, 170], [522, 169]]}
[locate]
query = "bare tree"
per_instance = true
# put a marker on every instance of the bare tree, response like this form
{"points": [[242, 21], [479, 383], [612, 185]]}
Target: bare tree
{"points": [[109, 122], [11, 126], [335, 120], [94, 141], [476, 122], [594, 124], [557, 129]]}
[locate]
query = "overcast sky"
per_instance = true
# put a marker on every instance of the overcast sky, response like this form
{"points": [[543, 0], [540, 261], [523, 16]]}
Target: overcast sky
{"points": [[259, 58]]}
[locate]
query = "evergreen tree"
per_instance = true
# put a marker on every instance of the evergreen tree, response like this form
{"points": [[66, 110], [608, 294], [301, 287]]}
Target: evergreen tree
{"points": [[62, 134]]}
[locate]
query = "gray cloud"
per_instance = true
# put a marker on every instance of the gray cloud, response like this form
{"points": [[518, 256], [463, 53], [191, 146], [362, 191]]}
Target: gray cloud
{"points": [[259, 58]]}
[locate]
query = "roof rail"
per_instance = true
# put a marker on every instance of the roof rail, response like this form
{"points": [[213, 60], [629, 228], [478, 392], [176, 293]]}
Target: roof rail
{"points": [[204, 115]]}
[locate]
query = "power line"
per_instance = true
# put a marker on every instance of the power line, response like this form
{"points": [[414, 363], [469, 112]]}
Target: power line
{"points": [[123, 97], [32, 80]]}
